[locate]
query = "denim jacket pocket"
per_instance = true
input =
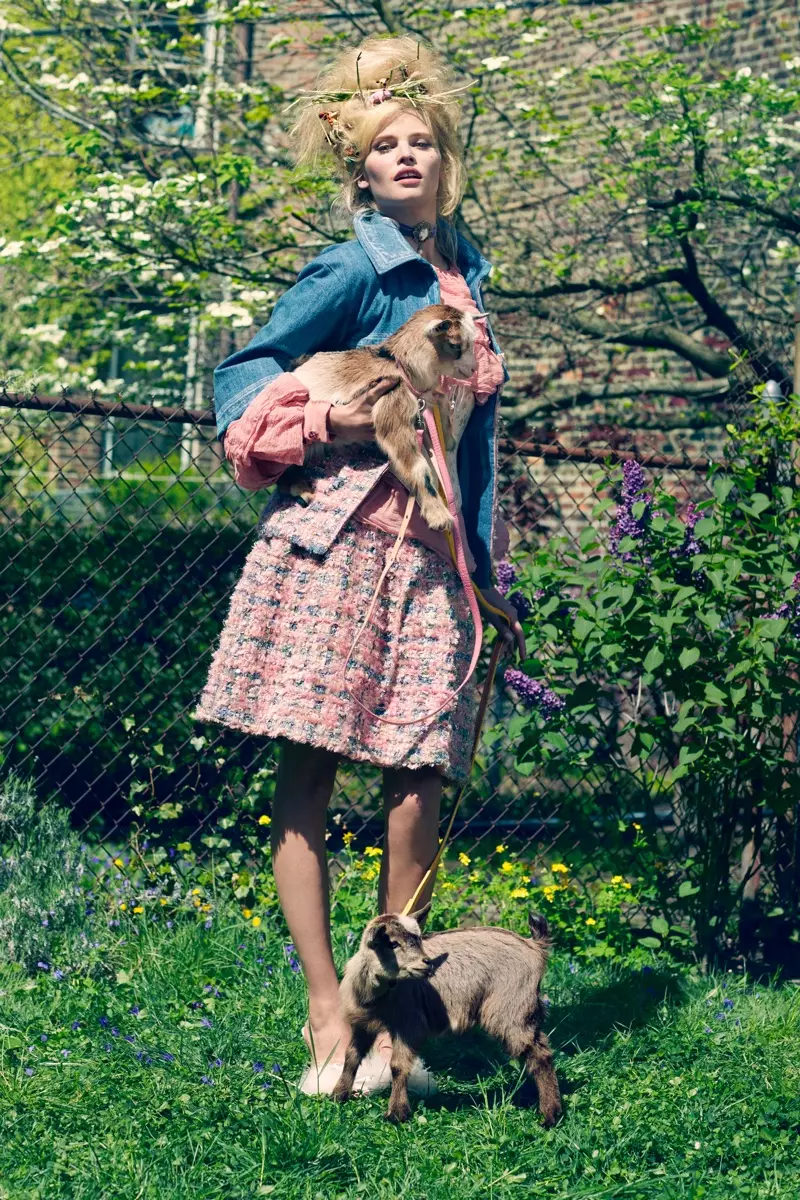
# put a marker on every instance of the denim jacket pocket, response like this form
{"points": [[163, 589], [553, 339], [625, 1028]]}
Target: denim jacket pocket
{"points": [[339, 483]]}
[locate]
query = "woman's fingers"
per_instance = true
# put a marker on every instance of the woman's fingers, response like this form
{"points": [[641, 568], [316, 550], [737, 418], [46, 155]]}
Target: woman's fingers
{"points": [[378, 388]]}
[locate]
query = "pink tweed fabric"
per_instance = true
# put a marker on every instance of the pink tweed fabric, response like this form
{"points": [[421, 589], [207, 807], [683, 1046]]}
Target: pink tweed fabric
{"points": [[277, 668]]}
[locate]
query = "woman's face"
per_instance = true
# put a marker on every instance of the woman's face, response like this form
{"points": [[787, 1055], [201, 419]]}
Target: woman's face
{"points": [[402, 170]]}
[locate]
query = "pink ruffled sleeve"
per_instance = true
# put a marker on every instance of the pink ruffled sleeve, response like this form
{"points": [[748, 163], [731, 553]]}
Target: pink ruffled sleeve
{"points": [[273, 432]]}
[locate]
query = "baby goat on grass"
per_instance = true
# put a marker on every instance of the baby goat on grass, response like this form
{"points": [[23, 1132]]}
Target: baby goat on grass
{"points": [[447, 983]]}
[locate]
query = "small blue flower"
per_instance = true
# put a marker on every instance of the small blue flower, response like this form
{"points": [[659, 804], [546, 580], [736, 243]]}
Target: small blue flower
{"points": [[275, 1068], [135, 1010], [129, 1037], [719, 1016], [728, 1003], [107, 1046], [58, 974], [167, 1057], [104, 1021], [707, 1029], [29, 1070], [206, 1023], [76, 1025], [66, 1053], [258, 1066], [205, 1079], [43, 966], [114, 1031], [216, 1062], [43, 1037]]}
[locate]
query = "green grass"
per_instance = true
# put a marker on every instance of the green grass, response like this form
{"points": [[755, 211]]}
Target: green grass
{"points": [[662, 1097]]}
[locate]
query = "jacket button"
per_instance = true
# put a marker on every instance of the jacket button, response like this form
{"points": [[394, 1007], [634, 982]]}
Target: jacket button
{"points": [[312, 436]]}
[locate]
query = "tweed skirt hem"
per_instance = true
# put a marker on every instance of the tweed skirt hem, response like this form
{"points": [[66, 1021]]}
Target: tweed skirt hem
{"points": [[277, 670]]}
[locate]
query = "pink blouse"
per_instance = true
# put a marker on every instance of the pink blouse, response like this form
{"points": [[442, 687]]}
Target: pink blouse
{"points": [[281, 421]]}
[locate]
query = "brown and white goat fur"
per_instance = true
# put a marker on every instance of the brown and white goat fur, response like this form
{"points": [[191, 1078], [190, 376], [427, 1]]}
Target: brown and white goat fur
{"points": [[437, 340], [419, 988]]}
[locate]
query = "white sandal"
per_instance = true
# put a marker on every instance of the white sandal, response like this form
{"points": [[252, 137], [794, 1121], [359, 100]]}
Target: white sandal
{"points": [[374, 1075]]}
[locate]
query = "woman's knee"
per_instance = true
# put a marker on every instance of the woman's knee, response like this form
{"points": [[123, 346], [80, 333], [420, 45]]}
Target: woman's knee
{"points": [[307, 770]]}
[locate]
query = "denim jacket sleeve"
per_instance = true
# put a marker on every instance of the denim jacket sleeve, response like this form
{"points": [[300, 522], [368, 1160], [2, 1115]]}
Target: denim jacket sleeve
{"points": [[311, 315]]}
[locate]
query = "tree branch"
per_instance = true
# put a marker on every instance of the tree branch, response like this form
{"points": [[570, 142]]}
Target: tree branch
{"points": [[590, 394]]}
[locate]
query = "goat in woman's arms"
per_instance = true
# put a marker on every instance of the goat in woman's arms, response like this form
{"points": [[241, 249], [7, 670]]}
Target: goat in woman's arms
{"points": [[438, 340]]}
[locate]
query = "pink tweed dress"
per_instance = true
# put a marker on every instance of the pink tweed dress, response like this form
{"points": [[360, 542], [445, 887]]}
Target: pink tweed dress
{"points": [[278, 668]]}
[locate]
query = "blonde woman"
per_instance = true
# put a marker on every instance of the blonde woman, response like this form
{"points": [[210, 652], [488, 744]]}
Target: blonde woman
{"points": [[386, 116]]}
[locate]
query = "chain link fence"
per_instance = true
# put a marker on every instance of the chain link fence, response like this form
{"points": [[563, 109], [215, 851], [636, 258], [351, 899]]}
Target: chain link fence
{"points": [[124, 536]]}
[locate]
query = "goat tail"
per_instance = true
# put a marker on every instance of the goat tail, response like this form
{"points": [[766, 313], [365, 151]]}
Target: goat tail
{"points": [[540, 930]]}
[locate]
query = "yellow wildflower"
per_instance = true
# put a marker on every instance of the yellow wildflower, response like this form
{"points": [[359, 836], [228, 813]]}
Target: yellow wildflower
{"points": [[195, 892], [507, 868], [500, 849], [348, 837], [206, 908], [118, 862], [123, 906], [616, 879], [628, 886], [256, 922], [264, 819], [137, 908], [464, 859], [163, 901], [636, 825], [196, 903], [370, 874], [474, 876], [519, 893], [559, 868], [591, 921], [247, 913], [373, 852], [446, 884]]}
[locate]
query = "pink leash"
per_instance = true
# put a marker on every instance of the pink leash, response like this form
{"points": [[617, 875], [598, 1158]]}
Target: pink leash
{"points": [[461, 565]]}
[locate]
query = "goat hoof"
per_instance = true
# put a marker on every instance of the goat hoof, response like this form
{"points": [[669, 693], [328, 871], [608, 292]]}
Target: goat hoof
{"points": [[399, 1115], [340, 1095], [551, 1115], [438, 517]]}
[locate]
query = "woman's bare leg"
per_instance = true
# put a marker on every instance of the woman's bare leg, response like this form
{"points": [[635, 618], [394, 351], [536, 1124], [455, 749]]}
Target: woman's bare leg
{"points": [[306, 776], [411, 801]]}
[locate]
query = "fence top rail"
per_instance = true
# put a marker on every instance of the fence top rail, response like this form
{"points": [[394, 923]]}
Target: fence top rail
{"points": [[91, 406]]}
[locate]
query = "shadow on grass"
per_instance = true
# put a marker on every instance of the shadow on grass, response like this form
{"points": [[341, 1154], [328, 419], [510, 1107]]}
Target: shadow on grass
{"points": [[592, 1013], [586, 1019]]}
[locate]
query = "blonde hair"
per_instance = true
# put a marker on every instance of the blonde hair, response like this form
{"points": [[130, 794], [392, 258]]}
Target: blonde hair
{"points": [[425, 83]]}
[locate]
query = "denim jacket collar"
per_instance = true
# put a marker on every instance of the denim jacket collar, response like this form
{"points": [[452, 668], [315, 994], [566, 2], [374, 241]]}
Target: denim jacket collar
{"points": [[386, 248]]}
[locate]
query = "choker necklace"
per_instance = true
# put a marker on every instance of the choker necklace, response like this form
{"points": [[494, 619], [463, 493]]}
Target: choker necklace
{"points": [[419, 232]]}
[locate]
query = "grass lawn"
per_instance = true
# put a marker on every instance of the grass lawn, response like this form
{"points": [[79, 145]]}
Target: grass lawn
{"points": [[169, 1075]]}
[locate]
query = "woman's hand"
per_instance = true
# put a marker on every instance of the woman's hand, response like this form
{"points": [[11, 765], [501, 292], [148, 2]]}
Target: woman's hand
{"points": [[511, 630], [352, 422]]}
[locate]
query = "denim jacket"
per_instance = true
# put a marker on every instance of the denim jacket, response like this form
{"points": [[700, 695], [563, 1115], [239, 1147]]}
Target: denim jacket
{"points": [[356, 293]]}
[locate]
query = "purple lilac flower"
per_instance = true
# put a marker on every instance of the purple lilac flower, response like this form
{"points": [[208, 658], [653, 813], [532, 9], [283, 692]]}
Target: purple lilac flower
{"points": [[506, 576], [790, 609], [626, 524], [534, 694]]}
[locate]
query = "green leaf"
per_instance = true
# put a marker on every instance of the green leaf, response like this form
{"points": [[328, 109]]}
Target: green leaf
{"points": [[705, 527], [583, 628], [654, 659], [714, 695], [659, 925], [688, 657], [651, 943], [687, 889]]}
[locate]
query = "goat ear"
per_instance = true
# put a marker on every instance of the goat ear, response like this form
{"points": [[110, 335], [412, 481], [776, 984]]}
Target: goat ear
{"points": [[439, 327], [421, 915], [376, 936]]}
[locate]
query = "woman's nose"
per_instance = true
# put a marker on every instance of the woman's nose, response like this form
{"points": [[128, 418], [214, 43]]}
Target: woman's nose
{"points": [[406, 154]]}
